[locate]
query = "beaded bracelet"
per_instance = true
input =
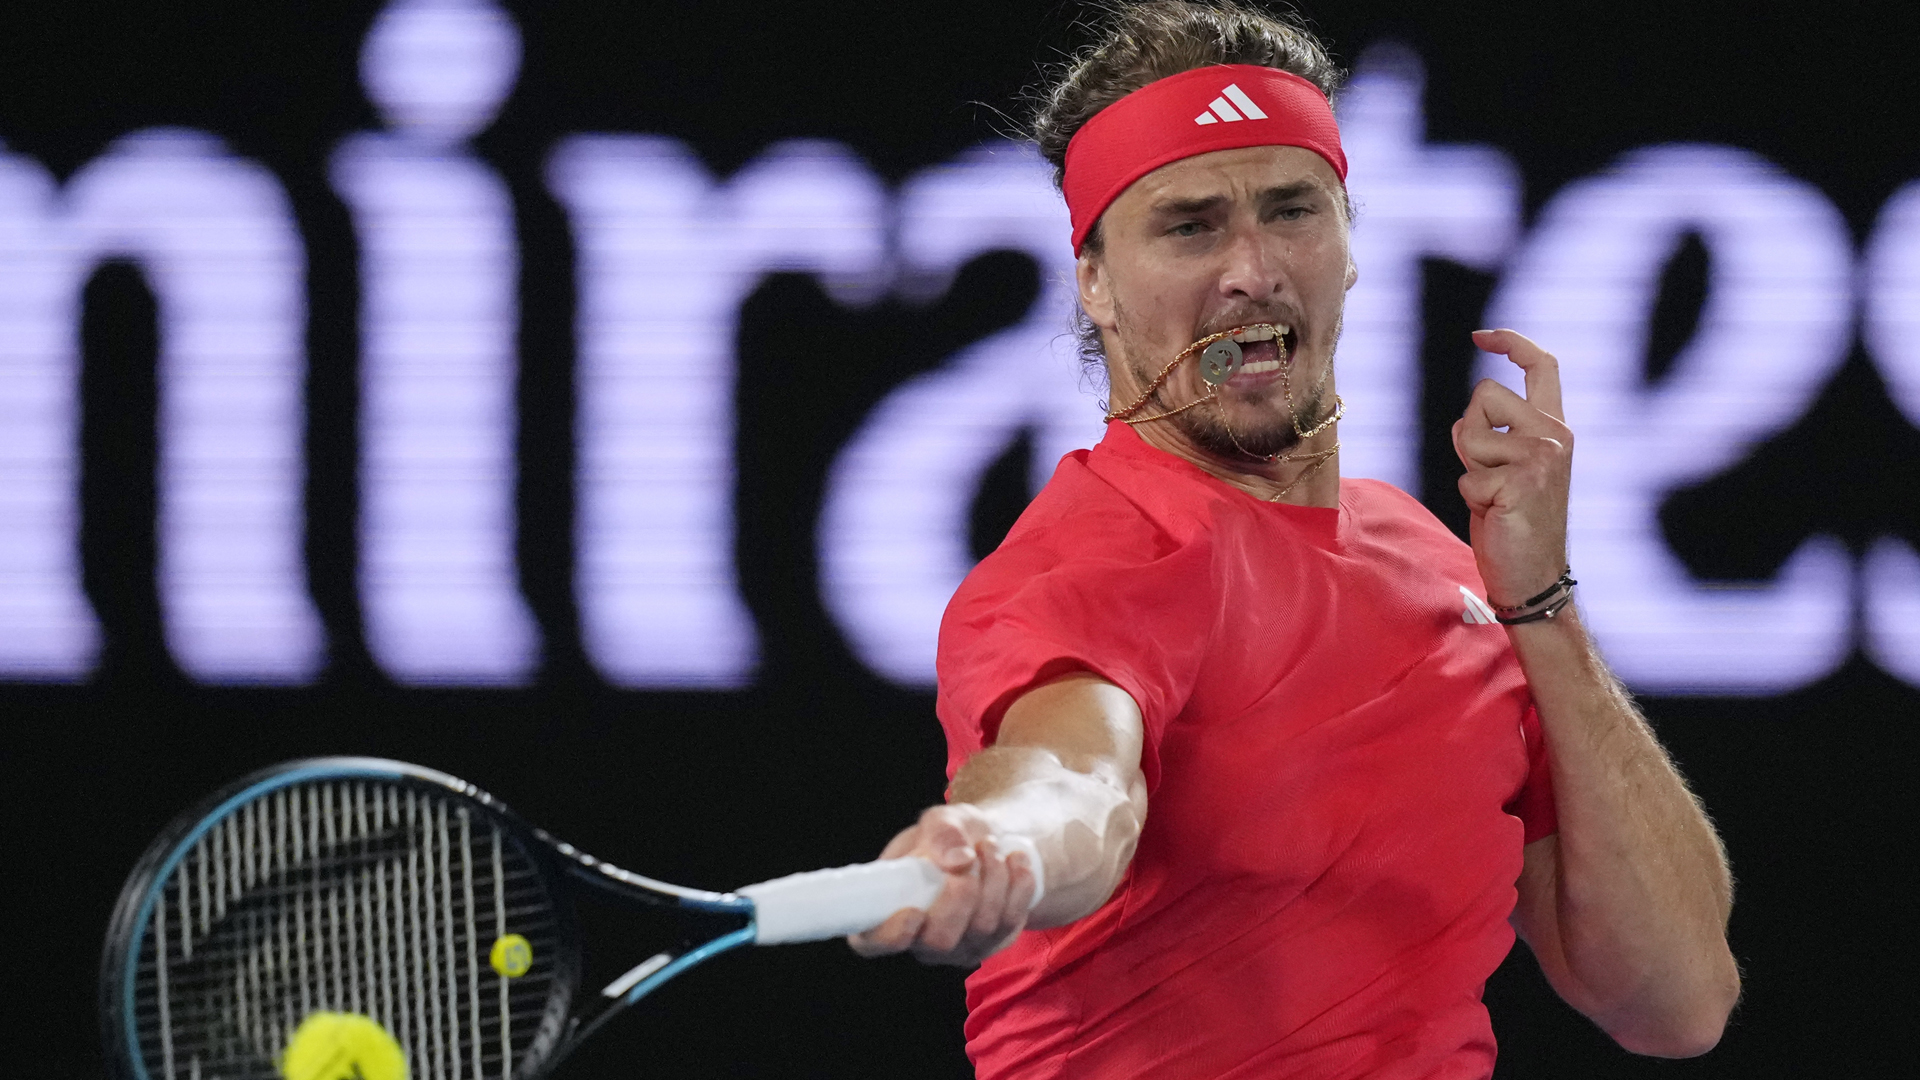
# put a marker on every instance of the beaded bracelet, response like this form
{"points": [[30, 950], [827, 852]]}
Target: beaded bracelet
{"points": [[1546, 605], [1547, 612]]}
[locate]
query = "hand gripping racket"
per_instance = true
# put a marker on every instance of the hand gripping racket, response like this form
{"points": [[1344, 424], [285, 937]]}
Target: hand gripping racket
{"points": [[362, 919]]}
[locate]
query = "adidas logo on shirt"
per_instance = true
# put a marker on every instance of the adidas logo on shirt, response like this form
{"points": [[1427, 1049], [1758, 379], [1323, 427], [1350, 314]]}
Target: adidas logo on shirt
{"points": [[1232, 104], [1478, 612]]}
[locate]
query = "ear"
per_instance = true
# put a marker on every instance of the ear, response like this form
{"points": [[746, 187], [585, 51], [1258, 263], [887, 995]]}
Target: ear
{"points": [[1353, 273], [1096, 290]]}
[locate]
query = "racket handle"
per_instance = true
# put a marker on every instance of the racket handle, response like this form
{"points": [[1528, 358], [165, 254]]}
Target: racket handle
{"points": [[822, 904]]}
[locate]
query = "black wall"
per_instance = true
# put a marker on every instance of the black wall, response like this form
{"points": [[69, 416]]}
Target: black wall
{"points": [[820, 761]]}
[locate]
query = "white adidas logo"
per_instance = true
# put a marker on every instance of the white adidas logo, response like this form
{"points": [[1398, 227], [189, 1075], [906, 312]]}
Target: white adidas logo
{"points": [[1223, 107], [1477, 611]]}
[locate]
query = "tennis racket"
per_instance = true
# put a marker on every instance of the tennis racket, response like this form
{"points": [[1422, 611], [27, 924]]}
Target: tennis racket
{"points": [[362, 919]]}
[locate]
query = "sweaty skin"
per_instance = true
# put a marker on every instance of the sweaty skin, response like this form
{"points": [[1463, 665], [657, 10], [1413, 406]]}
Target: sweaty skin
{"points": [[1625, 908]]}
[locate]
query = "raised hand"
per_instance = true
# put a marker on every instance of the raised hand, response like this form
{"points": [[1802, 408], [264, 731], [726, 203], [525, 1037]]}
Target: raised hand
{"points": [[1517, 480], [983, 906]]}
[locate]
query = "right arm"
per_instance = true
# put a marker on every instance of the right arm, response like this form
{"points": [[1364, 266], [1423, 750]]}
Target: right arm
{"points": [[1063, 772]]}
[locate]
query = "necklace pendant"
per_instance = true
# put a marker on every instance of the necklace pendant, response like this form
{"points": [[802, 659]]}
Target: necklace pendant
{"points": [[1220, 361]]}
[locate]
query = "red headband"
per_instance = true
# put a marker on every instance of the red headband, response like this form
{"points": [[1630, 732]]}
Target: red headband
{"points": [[1194, 112]]}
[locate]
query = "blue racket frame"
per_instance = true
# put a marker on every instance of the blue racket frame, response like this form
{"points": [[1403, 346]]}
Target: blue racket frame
{"points": [[569, 862]]}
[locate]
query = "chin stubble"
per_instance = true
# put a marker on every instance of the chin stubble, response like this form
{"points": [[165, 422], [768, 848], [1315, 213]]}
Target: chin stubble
{"points": [[1206, 427]]}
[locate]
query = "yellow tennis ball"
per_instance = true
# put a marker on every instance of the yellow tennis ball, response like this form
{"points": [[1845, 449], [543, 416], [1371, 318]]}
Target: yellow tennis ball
{"points": [[342, 1046], [511, 956]]}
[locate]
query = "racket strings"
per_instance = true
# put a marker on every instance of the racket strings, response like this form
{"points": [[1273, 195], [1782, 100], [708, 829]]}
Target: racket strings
{"points": [[345, 896]]}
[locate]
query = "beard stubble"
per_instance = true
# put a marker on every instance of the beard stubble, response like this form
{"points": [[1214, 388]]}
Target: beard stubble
{"points": [[1206, 426]]}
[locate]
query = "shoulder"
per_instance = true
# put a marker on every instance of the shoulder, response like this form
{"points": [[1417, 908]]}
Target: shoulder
{"points": [[1081, 517], [1105, 533]]}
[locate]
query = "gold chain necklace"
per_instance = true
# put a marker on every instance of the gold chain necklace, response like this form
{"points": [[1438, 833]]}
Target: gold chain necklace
{"points": [[1319, 458]]}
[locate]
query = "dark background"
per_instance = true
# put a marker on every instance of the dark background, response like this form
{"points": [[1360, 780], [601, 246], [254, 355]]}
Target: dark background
{"points": [[820, 761]]}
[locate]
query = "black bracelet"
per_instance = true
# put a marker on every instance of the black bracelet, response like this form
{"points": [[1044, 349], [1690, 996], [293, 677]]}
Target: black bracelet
{"points": [[1547, 612], [1564, 581]]}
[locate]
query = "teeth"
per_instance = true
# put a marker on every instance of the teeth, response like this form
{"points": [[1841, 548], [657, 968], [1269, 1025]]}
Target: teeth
{"points": [[1260, 332], [1259, 366]]}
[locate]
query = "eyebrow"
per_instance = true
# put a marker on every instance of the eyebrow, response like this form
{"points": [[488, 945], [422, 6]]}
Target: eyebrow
{"points": [[1284, 192], [1278, 193], [1179, 207]]}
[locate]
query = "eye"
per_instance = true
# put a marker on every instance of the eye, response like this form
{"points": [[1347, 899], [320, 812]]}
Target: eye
{"points": [[1187, 228], [1292, 213]]}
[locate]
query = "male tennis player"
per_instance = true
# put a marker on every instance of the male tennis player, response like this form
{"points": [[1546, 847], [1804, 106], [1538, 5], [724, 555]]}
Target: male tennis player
{"points": [[1297, 762]]}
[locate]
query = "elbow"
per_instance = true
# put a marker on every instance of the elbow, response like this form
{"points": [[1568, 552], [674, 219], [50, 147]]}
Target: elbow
{"points": [[1685, 1027], [1671, 1040]]}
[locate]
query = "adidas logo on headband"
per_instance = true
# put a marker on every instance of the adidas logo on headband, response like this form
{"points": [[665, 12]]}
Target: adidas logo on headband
{"points": [[1223, 109]]}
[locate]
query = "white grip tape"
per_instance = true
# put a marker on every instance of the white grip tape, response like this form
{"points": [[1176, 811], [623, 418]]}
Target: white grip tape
{"points": [[822, 904]]}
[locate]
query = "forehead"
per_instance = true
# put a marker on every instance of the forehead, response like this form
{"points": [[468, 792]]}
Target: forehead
{"points": [[1238, 174]]}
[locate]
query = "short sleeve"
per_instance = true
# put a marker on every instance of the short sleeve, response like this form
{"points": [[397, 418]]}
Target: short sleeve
{"points": [[1534, 805], [1092, 593]]}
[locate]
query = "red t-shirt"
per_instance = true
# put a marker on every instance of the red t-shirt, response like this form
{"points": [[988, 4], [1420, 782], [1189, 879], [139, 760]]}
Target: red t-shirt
{"points": [[1342, 764]]}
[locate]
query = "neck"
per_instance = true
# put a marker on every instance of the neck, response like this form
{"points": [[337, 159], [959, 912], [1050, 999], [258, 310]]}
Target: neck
{"points": [[1303, 481]]}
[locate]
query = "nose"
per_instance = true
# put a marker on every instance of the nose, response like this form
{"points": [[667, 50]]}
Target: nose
{"points": [[1252, 270]]}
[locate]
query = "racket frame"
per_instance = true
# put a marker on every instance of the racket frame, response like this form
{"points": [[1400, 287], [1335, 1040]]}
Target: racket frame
{"points": [[558, 862]]}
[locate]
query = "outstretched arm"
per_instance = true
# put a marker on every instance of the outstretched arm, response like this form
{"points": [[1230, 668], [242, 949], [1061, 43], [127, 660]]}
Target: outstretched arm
{"points": [[1064, 772], [1626, 908]]}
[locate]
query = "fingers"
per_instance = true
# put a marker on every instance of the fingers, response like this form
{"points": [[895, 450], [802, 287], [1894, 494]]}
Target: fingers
{"points": [[1494, 406], [981, 908], [1000, 913], [1497, 462], [989, 909], [944, 838], [952, 911], [895, 935], [1531, 435], [1541, 367], [974, 915], [1484, 448], [1517, 481], [1481, 488]]}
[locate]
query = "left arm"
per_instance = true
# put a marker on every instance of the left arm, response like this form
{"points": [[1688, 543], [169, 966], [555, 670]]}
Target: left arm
{"points": [[1626, 908]]}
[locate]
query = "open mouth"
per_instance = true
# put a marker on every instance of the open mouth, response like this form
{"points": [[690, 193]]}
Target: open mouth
{"points": [[1263, 347]]}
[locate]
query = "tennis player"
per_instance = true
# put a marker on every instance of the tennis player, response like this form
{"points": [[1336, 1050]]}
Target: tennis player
{"points": [[1298, 763]]}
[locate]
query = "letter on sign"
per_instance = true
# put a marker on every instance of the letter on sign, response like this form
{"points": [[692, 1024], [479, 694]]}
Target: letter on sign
{"points": [[1777, 322], [1892, 279], [666, 256], [214, 237], [1414, 200], [439, 263], [893, 531]]}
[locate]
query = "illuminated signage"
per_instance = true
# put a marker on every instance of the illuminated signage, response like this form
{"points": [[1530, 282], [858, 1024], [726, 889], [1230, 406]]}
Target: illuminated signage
{"points": [[439, 588], [217, 243], [1890, 283], [1777, 324], [665, 255]]}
